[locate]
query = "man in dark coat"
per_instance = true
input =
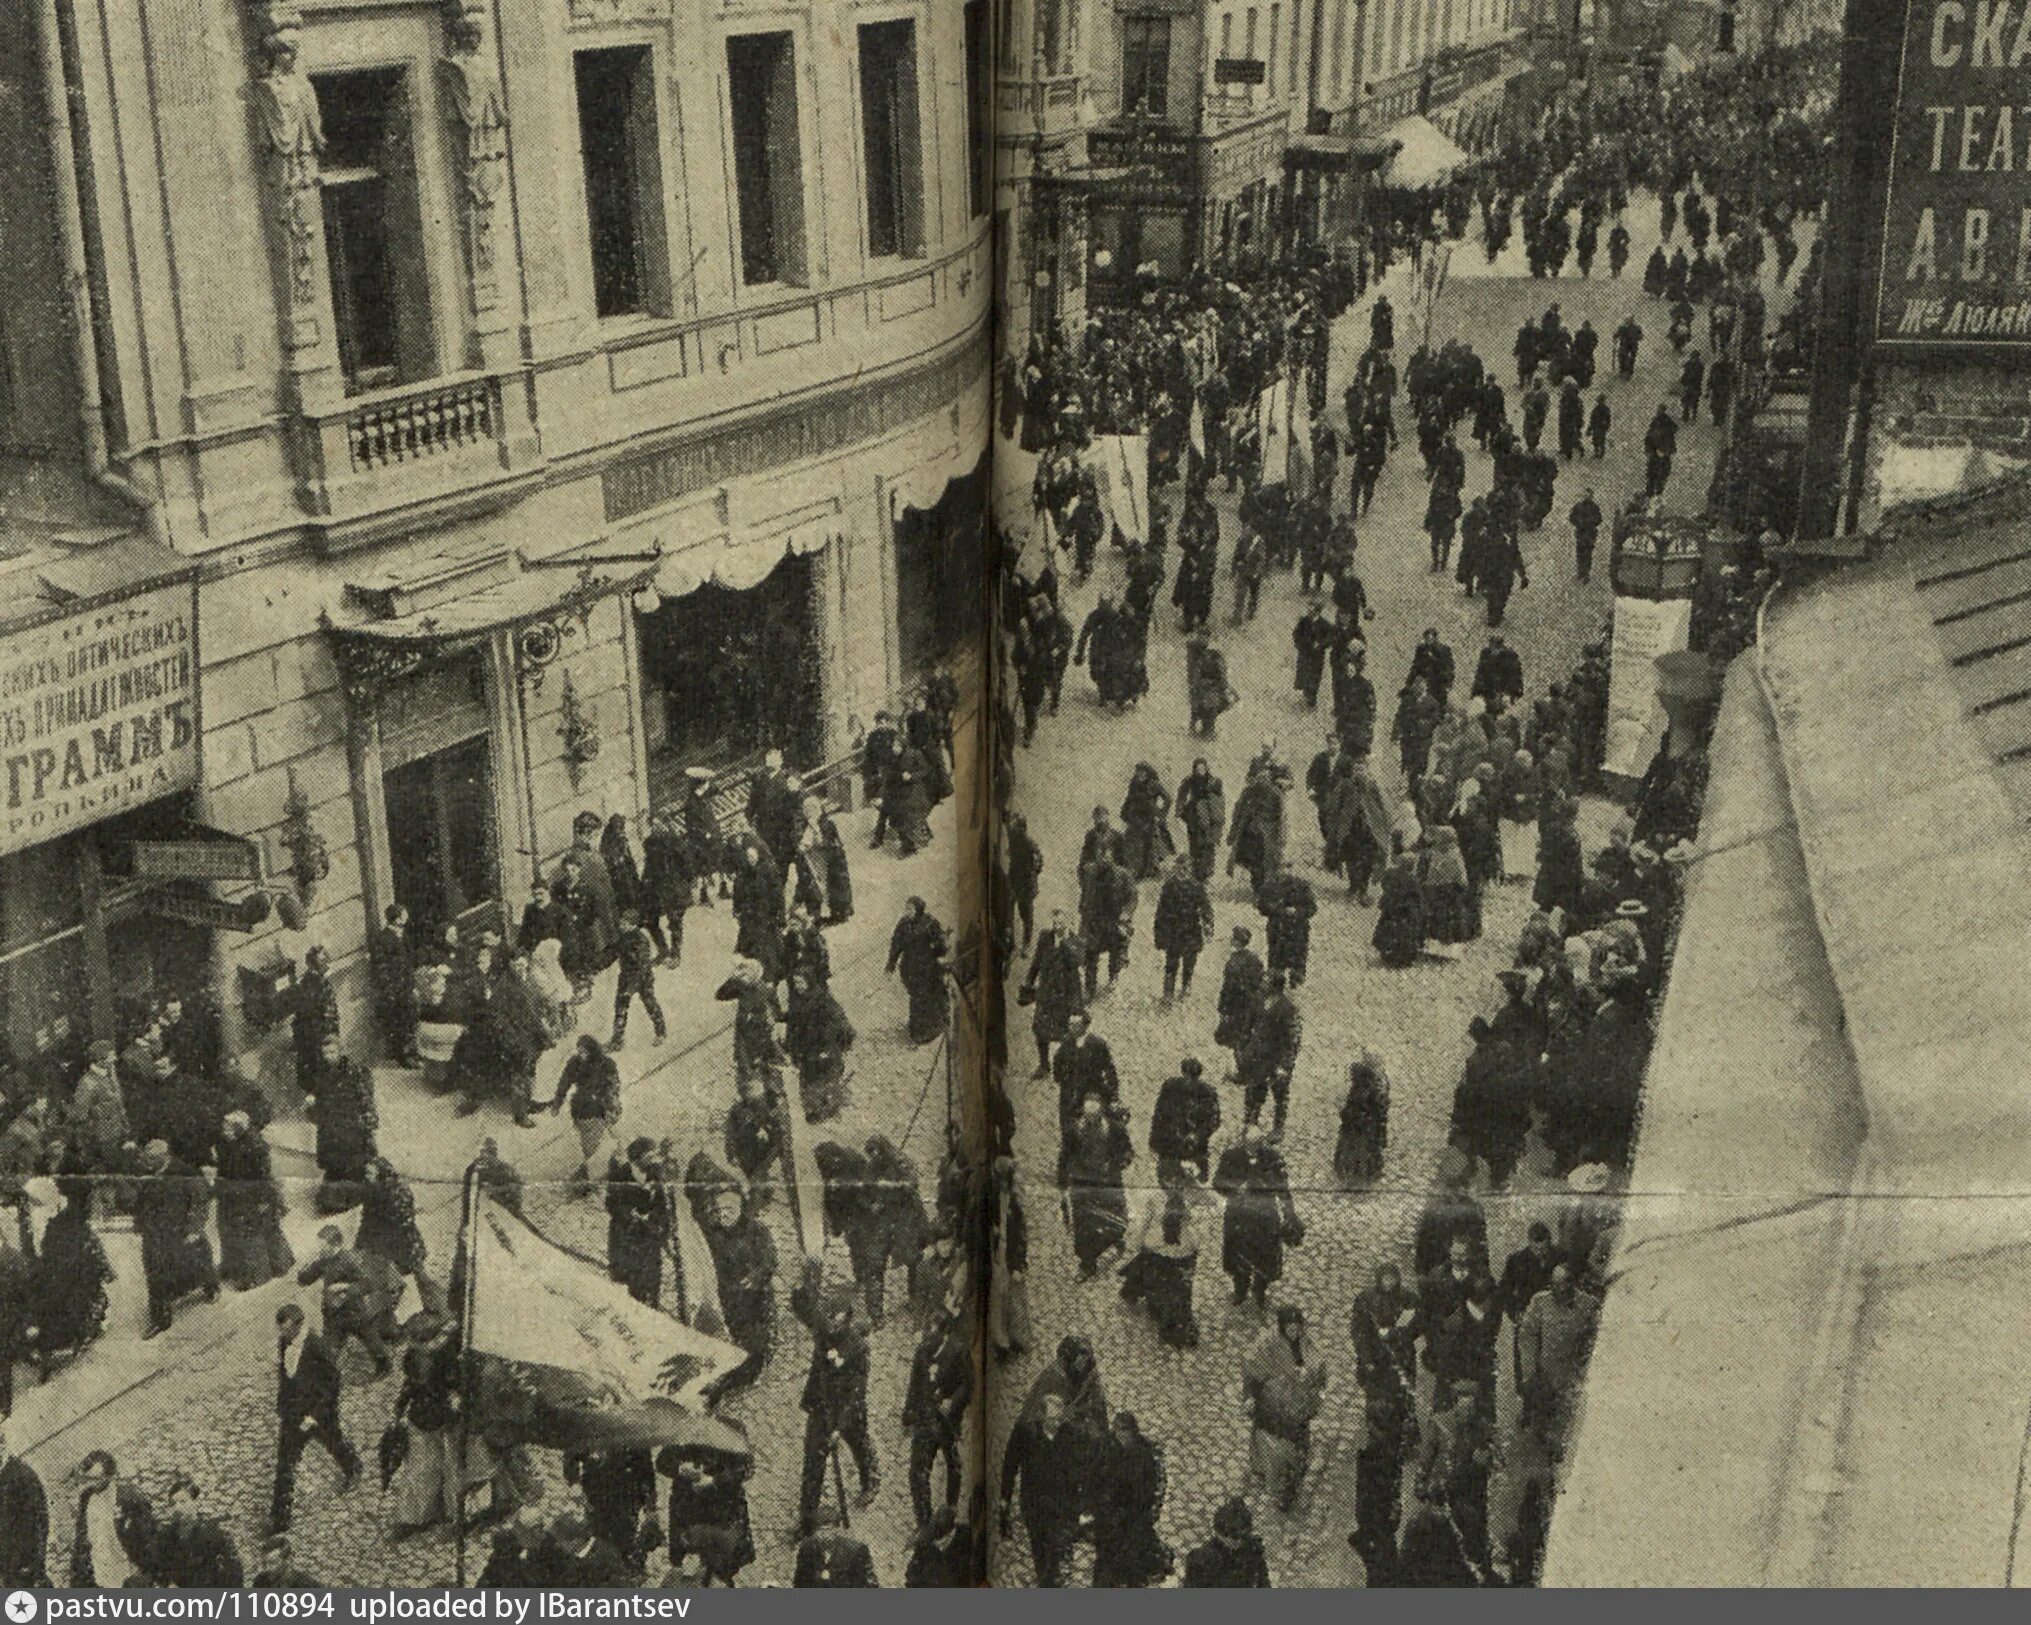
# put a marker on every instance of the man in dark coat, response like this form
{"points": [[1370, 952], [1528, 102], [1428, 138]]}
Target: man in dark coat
{"points": [[1084, 1066], [1055, 988], [1259, 1217], [192, 1552], [1660, 444], [1491, 1105], [314, 1014], [1311, 637], [1184, 922], [1432, 662], [835, 1393], [1241, 985], [668, 882], [1287, 903], [1586, 522], [942, 1556], [744, 1263], [1498, 675], [307, 1389], [1265, 1063], [171, 1205], [775, 809], [638, 1221], [1045, 1469], [1107, 899], [394, 966], [934, 1408], [1182, 1124]]}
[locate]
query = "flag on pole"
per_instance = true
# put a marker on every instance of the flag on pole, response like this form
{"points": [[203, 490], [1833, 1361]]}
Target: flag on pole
{"points": [[1120, 464], [1270, 411], [537, 1303]]}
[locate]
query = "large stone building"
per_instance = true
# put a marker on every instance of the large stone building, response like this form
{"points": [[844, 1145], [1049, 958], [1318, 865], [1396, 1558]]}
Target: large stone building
{"points": [[423, 421]]}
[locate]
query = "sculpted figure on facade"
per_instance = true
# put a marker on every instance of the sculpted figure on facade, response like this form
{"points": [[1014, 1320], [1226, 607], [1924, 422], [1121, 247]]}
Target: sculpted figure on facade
{"points": [[285, 104], [479, 114]]}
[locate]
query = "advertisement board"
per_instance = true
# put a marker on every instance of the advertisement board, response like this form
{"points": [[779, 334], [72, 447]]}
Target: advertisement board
{"points": [[98, 714], [1956, 254]]}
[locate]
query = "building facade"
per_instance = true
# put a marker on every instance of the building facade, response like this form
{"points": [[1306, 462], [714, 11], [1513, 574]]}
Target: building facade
{"points": [[454, 400], [1042, 103]]}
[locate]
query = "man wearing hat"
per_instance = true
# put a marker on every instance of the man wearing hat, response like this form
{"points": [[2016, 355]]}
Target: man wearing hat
{"points": [[1241, 985], [775, 809], [307, 1389], [170, 1205]]}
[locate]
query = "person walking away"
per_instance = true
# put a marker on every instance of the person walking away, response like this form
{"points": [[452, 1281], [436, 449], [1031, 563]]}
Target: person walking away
{"points": [[1585, 518], [636, 980], [1128, 1497], [1259, 1218]]}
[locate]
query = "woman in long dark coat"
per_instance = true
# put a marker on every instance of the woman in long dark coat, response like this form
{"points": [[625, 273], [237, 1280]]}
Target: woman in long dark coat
{"points": [[252, 1248], [816, 1035], [838, 873], [1364, 1124], [67, 1285], [1128, 1486], [1201, 806], [1561, 866], [1400, 921], [1474, 821], [1452, 906], [388, 1220], [917, 953], [618, 853]]}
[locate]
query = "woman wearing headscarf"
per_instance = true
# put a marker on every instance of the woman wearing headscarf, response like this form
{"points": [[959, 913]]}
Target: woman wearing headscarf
{"points": [[1201, 806], [1452, 907], [1561, 865], [252, 1248], [1364, 1124], [1128, 1496], [69, 1276], [1163, 1258], [1400, 921], [549, 984]]}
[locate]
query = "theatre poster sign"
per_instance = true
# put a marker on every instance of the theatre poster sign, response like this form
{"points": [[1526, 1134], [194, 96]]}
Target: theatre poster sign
{"points": [[1956, 262], [98, 713]]}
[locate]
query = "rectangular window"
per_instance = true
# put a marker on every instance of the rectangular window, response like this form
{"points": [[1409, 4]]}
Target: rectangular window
{"points": [[1248, 40], [1226, 34], [1146, 65], [768, 156], [889, 127], [373, 230], [978, 113], [618, 140]]}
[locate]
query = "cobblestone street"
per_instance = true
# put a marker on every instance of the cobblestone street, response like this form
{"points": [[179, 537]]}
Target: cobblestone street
{"points": [[201, 1399]]}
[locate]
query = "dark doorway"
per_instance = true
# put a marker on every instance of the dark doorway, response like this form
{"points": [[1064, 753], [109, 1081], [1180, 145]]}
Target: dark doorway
{"points": [[441, 834], [941, 565], [732, 673]]}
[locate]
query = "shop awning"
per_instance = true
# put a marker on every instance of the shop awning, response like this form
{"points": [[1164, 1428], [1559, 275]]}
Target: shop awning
{"points": [[532, 594], [1425, 155], [44, 579], [723, 561]]}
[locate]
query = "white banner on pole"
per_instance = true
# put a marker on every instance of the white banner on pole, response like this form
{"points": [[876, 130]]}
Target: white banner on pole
{"points": [[1271, 410], [1120, 464], [1644, 629]]}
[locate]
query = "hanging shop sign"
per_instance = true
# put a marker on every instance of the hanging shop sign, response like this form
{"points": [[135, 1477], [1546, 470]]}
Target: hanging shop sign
{"points": [[198, 854], [1956, 250], [1236, 70], [189, 908], [98, 713]]}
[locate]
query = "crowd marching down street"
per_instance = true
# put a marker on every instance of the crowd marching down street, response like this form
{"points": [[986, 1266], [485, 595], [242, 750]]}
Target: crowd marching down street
{"points": [[1318, 689]]}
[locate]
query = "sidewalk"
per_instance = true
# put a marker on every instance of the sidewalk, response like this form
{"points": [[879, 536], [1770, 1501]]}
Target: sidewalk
{"points": [[679, 1088]]}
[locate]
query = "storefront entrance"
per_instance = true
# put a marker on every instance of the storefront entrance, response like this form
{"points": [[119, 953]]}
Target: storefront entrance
{"points": [[438, 784], [729, 674]]}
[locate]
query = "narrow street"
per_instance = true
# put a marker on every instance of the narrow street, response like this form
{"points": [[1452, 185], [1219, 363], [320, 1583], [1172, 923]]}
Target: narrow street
{"points": [[1415, 1020]]}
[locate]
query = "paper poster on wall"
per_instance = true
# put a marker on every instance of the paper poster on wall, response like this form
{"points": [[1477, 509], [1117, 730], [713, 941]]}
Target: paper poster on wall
{"points": [[1644, 629]]}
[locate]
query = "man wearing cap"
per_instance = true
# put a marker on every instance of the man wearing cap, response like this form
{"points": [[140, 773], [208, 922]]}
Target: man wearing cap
{"points": [[95, 1122], [170, 1206], [1234, 1556], [835, 1394], [829, 1557]]}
